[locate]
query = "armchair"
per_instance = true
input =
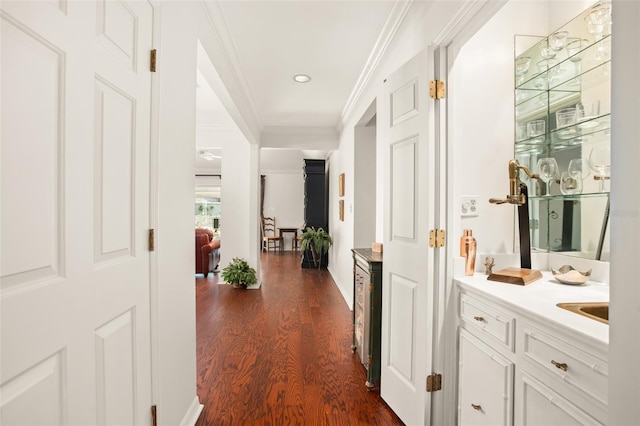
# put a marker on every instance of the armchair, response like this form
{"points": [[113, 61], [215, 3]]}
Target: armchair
{"points": [[207, 251]]}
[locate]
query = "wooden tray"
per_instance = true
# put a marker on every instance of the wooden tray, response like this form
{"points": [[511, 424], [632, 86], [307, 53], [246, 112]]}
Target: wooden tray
{"points": [[519, 276]]}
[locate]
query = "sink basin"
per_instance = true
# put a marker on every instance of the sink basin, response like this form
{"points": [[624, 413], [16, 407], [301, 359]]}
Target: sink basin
{"points": [[598, 311]]}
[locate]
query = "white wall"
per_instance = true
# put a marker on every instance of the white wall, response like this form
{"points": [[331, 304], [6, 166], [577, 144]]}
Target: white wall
{"points": [[239, 182], [284, 200], [364, 192], [174, 380], [418, 30], [481, 137], [284, 188]]}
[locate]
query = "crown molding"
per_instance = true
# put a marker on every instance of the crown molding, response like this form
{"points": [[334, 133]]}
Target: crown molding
{"points": [[395, 19], [220, 29]]}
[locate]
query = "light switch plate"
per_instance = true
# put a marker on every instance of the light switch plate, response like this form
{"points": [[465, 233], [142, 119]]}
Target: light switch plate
{"points": [[469, 206]]}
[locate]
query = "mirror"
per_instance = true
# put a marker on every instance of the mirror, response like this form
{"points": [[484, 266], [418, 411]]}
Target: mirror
{"points": [[562, 132]]}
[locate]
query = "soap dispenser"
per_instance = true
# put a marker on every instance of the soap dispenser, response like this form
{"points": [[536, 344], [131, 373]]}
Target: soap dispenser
{"points": [[468, 251]]}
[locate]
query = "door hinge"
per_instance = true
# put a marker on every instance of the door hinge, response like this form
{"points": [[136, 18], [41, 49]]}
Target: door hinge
{"points": [[437, 89], [152, 239], [154, 416], [153, 60], [437, 238], [434, 382]]}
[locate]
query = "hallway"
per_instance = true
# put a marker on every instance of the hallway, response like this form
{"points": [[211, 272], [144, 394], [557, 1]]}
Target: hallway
{"points": [[281, 355]]}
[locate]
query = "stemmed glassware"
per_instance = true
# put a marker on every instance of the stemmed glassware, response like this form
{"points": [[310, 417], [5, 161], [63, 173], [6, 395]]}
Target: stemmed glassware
{"points": [[579, 168], [570, 184], [574, 50], [548, 171], [546, 51], [557, 42], [545, 68], [522, 68], [600, 163], [598, 21]]}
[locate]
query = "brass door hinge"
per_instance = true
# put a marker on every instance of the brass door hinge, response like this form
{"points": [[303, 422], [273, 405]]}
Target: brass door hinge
{"points": [[153, 60], [437, 238], [437, 89], [434, 382], [154, 416], [152, 239]]}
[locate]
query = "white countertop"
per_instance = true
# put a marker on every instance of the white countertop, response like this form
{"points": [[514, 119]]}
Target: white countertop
{"points": [[539, 299]]}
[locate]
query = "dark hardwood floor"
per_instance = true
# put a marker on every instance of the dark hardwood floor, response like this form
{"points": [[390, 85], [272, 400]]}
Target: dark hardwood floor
{"points": [[281, 355]]}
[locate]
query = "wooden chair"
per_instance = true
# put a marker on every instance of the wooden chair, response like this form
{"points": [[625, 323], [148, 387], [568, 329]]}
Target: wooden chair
{"points": [[269, 236]]}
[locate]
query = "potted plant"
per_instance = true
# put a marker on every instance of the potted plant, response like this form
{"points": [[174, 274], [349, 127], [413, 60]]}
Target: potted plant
{"points": [[239, 274], [318, 242]]}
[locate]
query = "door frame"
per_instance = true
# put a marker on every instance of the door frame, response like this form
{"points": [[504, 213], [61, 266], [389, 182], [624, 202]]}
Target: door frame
{"points": [[154, 208], [472, 16]]}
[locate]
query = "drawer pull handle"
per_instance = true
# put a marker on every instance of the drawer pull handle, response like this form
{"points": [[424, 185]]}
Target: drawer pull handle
{"points": [[476, 407], [478, 318], [561, 366]]}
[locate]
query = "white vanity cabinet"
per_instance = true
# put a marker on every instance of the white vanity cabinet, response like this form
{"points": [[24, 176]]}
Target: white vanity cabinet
{"points": [[486, 367], [525, 366], [559, 381], [486, 384]]}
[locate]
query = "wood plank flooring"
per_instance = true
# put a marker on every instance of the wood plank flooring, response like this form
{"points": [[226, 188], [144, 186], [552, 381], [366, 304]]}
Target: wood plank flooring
{"points": [[281, 355]]}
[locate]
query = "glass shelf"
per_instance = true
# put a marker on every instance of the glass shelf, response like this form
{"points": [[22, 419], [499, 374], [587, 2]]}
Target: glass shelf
{"points": [[564, 72], [582, 81], [575, 197]]}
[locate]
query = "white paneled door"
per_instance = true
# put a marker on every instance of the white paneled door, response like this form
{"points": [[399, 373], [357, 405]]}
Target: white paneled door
{"points": [[407, 321], [74, 286]]}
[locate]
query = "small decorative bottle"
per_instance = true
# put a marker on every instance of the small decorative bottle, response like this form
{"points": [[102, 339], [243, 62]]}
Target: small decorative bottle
{"points": [[468, 251]]}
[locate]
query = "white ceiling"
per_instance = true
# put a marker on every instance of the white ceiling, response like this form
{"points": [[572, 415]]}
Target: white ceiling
{"points": [[328, 40], [333, 41]]}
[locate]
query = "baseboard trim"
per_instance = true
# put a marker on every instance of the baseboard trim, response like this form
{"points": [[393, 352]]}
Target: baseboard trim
{"points": [[191, 417]]}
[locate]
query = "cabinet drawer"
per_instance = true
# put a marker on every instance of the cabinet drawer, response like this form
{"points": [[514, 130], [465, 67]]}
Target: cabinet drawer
{"points": [[579, 370], [485, 390], [542, 406], [484, 320]]}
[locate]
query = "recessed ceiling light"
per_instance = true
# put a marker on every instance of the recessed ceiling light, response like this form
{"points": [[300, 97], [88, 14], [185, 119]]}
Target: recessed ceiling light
{"points": [[302, 78]]}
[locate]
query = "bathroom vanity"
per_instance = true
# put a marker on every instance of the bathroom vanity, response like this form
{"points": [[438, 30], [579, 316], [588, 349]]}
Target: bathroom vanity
{"points": [[524, 360]]}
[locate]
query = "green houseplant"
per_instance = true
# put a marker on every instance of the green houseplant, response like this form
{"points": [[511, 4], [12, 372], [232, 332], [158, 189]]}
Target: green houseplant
{"points": [[239, 274], [318, 242]]}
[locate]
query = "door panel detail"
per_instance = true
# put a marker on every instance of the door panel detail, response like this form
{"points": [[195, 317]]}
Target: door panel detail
{"points": [[115, 355], [114, 144], [117, 30], [36, 396], [403, 189], [404, 103], [31, 158], [402, 306]]}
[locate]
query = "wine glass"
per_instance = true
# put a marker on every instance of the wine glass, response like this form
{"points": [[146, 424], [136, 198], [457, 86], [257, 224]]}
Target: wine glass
{"points": [[522, 68], [579, 167], [548, 170], [547, 72], [601, 15], [570, 184], [600, 163], [546, 51], [574, 50], [558, 40]]}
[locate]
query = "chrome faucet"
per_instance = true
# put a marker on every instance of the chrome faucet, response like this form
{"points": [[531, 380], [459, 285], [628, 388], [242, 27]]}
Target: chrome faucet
{"points": [[515, 194]]}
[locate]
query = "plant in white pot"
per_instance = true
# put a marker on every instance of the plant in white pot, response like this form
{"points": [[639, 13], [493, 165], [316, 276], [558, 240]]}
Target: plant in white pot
{"points": [[239, 274]]}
